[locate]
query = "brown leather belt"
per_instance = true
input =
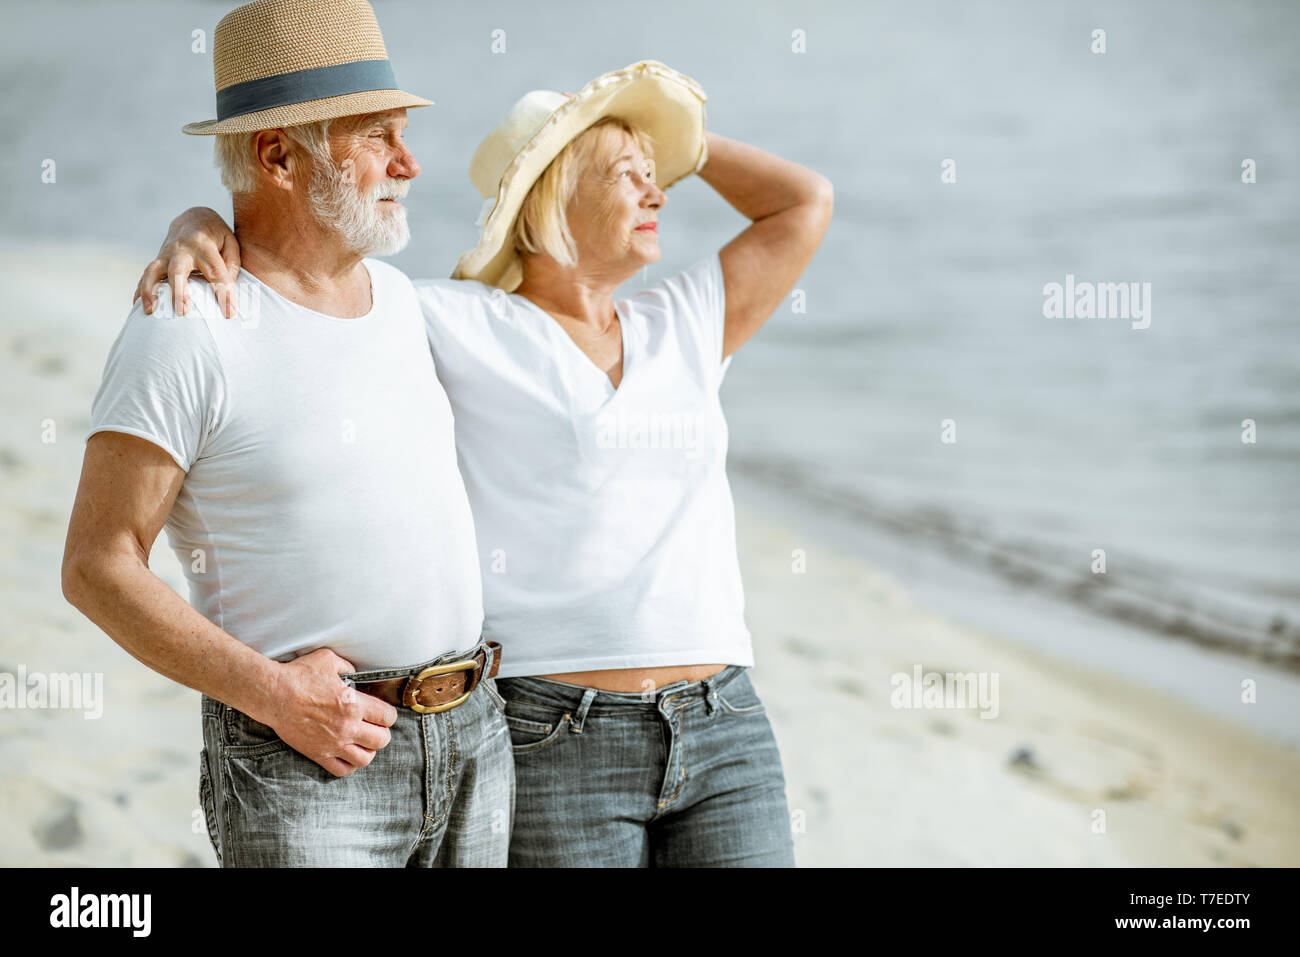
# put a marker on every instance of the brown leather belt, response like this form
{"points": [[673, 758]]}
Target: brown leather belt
{"points": [[439, 688]]}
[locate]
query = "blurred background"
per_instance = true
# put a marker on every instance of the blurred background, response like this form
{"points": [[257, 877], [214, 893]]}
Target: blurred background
{"points": [[1162, 692]]}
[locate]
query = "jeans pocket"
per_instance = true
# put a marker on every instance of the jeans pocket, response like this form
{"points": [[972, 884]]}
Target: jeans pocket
{"points": [[246, 737], [489, 685], [740, 698], [528, 736], [209, 804]]}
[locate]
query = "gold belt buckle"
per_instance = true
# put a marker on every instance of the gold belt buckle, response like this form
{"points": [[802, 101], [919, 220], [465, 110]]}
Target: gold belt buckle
{"points": [[410, 691]]}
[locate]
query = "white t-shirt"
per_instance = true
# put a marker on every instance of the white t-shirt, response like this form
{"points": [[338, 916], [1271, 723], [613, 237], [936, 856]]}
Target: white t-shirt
{"points": [[606, 529], [321, 506]]}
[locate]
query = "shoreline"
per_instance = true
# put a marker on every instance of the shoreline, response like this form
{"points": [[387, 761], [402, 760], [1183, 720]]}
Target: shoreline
{"points": [[1145, 596], [1207, 679], [1071, 749]]}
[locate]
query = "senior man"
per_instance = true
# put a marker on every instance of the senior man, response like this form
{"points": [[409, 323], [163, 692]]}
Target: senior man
{"points": [[302, 460]]}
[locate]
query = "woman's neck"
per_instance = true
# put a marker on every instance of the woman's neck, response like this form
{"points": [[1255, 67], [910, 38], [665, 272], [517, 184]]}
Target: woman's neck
{"points": [[582, 297]]}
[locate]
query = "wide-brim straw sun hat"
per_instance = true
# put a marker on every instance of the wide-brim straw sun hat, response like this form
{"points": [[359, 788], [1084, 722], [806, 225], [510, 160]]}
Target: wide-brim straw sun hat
{"points": [[283, 63], [666, 105]]}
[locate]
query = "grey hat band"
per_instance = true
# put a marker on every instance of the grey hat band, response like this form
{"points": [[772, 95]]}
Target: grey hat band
{"points": [[300, 86]]}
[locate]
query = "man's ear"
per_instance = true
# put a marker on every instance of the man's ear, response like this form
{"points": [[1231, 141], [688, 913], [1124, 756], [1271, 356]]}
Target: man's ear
{"points": [[273, 151]]}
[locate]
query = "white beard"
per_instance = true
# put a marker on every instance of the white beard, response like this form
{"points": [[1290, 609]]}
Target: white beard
{"points": [[365, 227]]}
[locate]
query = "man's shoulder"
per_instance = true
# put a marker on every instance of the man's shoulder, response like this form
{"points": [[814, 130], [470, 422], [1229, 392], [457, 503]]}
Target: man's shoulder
{"points": [[391, 277], [166, 325], [382, 270], [202, 300]]}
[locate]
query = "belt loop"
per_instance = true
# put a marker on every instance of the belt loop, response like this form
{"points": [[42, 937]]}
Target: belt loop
{"points": [[711, 692], [575, 723]]}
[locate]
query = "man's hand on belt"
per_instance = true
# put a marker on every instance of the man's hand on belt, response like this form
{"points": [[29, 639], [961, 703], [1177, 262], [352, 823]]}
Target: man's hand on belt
{"points": [[325, 719]]}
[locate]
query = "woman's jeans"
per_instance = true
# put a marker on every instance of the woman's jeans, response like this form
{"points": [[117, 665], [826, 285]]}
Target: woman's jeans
{"points": [[687, 775]]}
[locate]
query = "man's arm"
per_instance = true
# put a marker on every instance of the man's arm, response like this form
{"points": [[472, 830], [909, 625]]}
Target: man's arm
{"points": [[128, 487], [790, 207]]}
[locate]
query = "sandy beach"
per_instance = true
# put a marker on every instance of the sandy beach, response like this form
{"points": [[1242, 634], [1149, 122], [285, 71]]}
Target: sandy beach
{"points": [[906, 787], [1077, 768]]}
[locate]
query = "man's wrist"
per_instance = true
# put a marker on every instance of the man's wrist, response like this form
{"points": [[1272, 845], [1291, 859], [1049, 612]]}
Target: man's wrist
{"points": [[261, 690]]}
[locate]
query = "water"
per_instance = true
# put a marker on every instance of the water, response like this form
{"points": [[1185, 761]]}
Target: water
{"points": [[1072, 435], [925, 302]]}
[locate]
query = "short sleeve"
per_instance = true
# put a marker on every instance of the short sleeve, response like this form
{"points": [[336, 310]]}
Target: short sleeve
{"points": [[449, 307], [696, 301], [436, 297], [162, 382]]}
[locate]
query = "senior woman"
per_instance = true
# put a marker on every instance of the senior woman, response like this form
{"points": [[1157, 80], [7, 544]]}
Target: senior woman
{"points": [[592, 444]]}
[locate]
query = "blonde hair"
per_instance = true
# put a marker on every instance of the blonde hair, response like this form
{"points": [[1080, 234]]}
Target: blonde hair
{"points": [[542, 226]]}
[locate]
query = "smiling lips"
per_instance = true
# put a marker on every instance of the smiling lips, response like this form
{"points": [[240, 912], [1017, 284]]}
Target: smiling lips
{"points": [[647, 228]]}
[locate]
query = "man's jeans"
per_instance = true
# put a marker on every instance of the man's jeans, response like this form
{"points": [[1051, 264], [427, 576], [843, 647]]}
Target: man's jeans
{"points": [[441, 794], [687, 775]]}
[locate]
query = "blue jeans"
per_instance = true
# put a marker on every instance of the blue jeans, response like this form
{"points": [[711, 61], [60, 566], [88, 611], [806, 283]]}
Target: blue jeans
{"points": [[687, 775], [441, 794]]}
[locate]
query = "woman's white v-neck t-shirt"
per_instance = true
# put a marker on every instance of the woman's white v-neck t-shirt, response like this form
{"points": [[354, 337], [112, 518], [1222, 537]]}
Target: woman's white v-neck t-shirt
{"points": [[605, 524]]}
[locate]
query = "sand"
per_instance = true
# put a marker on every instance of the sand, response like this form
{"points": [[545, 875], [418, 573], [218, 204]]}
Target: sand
{"points": [[1077, 769], [881, 785]]}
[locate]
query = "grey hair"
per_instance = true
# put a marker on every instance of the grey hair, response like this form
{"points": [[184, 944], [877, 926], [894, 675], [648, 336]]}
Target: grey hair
{"points": [[238, 166]]}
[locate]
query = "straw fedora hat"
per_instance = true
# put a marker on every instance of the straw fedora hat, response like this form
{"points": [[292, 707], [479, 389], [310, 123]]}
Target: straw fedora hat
{"points": [[668, 106], [283, 63]]}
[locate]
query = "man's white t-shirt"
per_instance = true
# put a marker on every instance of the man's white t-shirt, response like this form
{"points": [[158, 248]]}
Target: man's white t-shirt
{"points": [[605, 524], [321, 506]]}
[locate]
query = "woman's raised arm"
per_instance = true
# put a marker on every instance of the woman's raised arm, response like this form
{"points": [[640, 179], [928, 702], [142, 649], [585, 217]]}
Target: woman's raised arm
{"points": [[790, 207]]}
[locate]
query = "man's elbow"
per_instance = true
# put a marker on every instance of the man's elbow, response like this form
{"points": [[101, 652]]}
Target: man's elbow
{"points": [[76, 578], [85, 574]]}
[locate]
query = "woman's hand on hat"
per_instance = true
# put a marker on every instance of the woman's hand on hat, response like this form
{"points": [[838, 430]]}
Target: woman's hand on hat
{"points": [[197, 241]]}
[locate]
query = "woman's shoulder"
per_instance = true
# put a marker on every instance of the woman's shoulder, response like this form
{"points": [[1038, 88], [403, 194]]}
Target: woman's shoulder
{"points": [[471, 322], [460, 304], [686, 313], [453, 291], [695, 290]]}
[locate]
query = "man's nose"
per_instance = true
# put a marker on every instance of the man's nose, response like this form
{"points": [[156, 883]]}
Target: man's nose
{"points": [[404, 164]]}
